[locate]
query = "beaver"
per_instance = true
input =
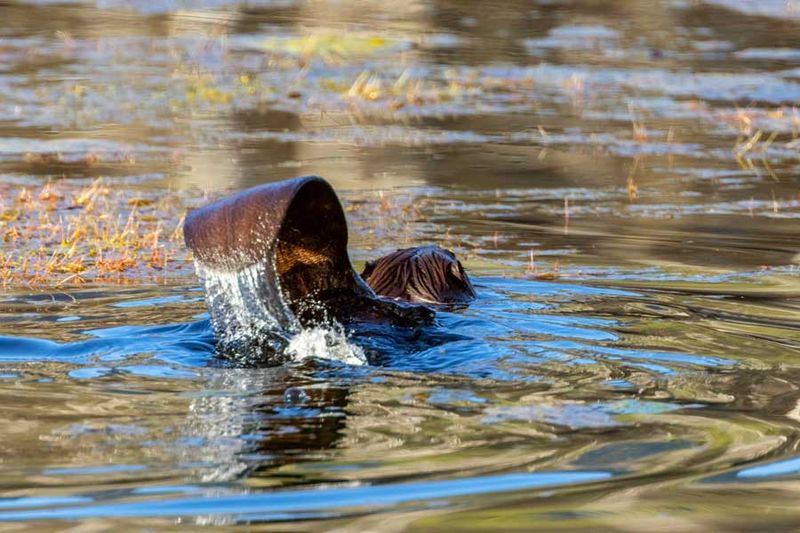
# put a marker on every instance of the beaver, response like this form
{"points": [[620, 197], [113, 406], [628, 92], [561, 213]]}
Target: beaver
{"points": [[424, 274], [274, 256]]}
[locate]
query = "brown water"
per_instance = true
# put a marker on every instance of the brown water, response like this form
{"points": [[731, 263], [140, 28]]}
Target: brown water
{"points": [[621, 180]]}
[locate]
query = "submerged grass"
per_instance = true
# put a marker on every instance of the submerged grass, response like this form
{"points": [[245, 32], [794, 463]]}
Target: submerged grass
{"points": [[67, 234], [331, 47], [378, 79], [63, 234]]}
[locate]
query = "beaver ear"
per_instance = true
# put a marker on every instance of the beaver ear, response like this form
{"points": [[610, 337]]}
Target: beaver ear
{"points": [[369, 268], [465, 288], [457, 270]]}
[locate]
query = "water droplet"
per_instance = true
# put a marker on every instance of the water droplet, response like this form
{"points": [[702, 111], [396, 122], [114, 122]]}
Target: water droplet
{"points": [[295, 395]]}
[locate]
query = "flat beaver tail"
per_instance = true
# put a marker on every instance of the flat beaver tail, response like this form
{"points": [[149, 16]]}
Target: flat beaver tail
{"points": [[297, 226]]}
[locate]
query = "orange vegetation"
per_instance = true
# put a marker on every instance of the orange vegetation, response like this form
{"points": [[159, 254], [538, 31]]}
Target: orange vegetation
{"points": [[63, 234]]}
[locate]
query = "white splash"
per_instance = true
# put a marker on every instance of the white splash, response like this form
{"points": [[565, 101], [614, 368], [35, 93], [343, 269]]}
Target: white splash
{"points": [[252, 321], [326, 343], [248, 314]]}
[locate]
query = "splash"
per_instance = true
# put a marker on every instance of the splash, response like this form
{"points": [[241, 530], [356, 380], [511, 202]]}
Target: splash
{"points": [[253, 324], [248, 315], [326, 342]]}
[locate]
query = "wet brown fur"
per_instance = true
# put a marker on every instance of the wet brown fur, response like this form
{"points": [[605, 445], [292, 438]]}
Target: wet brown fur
{"points": [[424, 274]]}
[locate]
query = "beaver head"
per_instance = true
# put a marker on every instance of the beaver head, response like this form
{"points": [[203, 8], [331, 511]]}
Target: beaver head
{"points": [[424, 274]]}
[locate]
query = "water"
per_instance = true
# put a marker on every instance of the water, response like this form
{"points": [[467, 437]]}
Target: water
{"points": [[248, 315], [620, 180]]}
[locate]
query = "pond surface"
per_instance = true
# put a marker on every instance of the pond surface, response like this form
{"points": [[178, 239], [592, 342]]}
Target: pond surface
{"points": [[620, 179]]}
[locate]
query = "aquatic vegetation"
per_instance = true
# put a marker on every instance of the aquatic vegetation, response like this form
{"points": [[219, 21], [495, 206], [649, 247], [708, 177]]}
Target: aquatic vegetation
{"points": [[64, 234], [333, 47]]}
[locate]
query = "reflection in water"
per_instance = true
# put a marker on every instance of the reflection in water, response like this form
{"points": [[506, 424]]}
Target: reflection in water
{"points": [[620, 177], [492, 404], [250, 423]]}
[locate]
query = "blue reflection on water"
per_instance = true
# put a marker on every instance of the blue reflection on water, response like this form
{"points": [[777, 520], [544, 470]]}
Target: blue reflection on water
{"points": [[508, 335], [780, 468], [326, 498], [514, 324]]}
